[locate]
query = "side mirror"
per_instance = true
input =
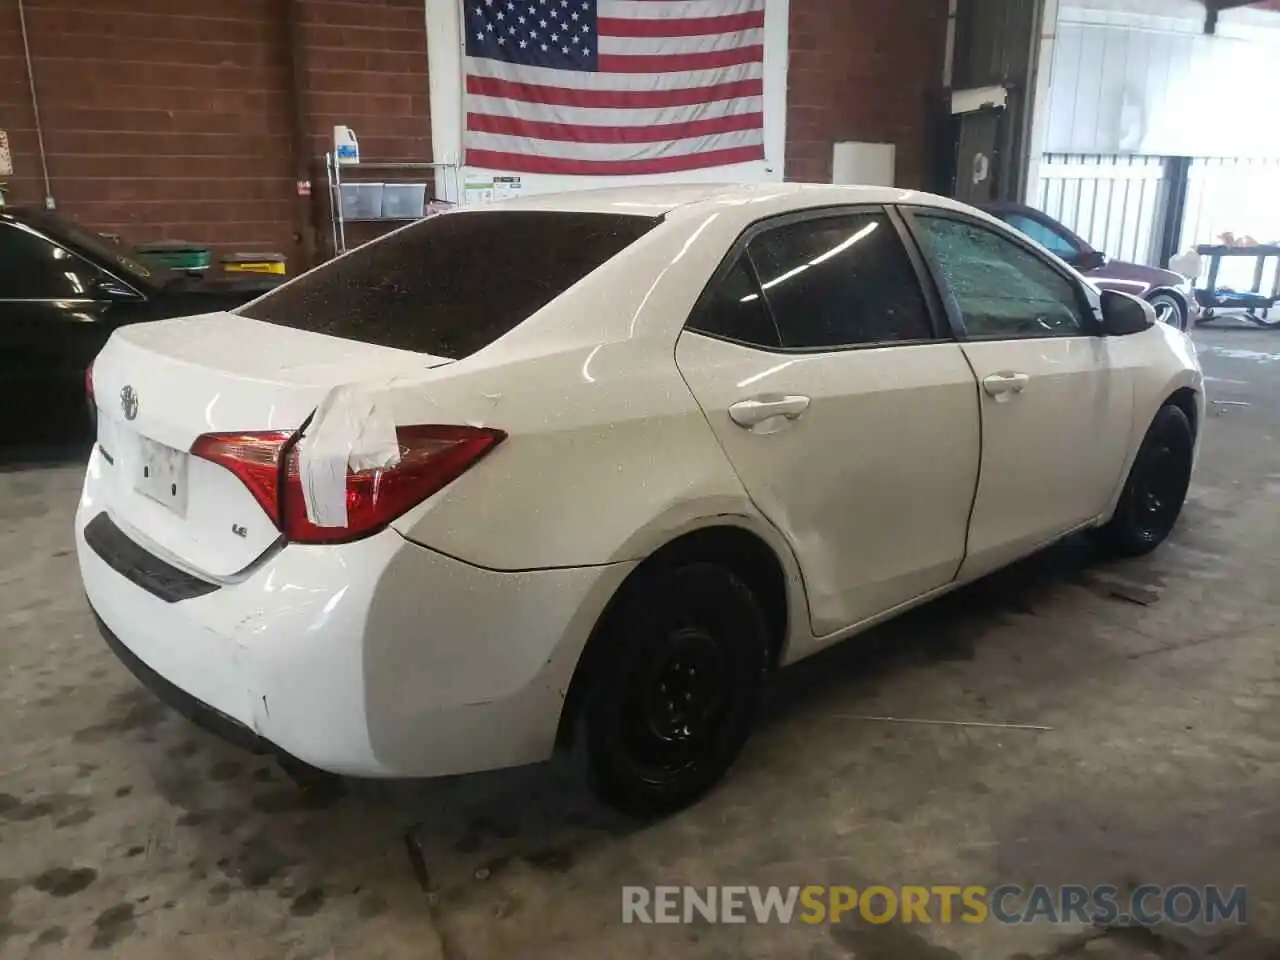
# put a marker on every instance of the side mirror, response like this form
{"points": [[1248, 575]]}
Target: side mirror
{"points": [[1123, 314], [1089, 260], [108, 288]]}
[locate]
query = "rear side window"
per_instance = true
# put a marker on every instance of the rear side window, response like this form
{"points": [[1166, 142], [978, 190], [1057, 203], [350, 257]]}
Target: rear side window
{"points": [[819, 284], [735, 310], [452, 284], [839, 281], [33, 268]]}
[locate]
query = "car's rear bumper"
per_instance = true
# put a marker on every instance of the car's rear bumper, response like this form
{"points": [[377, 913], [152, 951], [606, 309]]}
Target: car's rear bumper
{"points": [[198, 712], [374, 658]]}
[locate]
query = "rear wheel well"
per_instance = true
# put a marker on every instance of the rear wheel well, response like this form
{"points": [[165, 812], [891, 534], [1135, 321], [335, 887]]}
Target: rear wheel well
{"points": [[1185, 400], [738, 550]]}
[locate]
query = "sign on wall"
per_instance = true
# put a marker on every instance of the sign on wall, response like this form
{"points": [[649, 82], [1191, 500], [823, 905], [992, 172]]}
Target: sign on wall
{"points": [[486, 189], [6, 157]]}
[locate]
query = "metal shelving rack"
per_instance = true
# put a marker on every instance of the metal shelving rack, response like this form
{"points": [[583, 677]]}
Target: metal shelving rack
{"points": [[333, 173]]}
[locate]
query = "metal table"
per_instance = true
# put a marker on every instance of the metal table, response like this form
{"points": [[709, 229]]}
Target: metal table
{"points": [[1255, 303]]}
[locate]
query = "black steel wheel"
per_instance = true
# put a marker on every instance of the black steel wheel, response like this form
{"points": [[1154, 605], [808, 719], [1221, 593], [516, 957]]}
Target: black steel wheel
{"points": [[1157, 486], [676, 690]]}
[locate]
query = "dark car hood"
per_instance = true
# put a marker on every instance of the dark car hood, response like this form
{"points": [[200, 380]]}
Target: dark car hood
{"points": [[185, 295], [246, 286], [1133, 278]]}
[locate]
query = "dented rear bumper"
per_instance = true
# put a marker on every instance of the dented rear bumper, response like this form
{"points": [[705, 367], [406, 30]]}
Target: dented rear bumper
{"points": [[377, 658]]}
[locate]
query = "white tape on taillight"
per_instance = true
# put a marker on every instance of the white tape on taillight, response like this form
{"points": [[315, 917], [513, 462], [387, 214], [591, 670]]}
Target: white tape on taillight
{"points": [[352, 430], [428, 458]]}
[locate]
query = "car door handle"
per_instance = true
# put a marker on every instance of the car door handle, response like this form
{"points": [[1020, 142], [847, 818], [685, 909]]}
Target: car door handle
{"points": [[1003, 385], [748, 413]]}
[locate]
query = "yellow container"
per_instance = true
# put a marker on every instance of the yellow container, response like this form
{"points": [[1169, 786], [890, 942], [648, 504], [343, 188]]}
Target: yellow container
{"points": [[269, 263]]}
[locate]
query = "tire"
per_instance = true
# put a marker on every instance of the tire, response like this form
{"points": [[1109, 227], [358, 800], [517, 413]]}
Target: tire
{"points": [[1156, 489], [1169, 309], [673, 698]]}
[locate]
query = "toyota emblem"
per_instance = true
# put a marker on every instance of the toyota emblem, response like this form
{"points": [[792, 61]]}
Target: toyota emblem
{"points": [[129, 402]]}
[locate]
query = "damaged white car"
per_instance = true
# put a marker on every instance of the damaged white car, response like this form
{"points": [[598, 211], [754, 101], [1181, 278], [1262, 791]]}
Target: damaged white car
{"points": [[581, 470]]}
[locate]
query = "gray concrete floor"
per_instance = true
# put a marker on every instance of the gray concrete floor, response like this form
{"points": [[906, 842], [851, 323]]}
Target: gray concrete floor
{"points": [[125, 832]]}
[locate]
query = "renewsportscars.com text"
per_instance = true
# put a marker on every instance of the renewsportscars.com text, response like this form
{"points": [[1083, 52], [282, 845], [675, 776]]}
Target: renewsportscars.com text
{"points": [[1145, 905]]}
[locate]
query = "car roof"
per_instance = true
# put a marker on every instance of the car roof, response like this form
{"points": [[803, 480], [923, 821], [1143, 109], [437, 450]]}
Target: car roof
{"points": [[18, 213], [658, 200], [36, 218]]}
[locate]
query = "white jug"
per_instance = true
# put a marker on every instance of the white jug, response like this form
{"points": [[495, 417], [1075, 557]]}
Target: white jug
{"points": [[345, 146]]}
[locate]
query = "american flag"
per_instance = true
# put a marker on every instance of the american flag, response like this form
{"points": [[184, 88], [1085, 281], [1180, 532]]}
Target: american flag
{"points": [[613, 87]]}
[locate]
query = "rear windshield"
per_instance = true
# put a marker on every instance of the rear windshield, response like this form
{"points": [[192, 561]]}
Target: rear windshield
{"points": [[452, 284]]}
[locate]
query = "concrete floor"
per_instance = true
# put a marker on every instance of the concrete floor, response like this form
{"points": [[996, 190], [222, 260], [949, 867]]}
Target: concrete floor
{"points": [[125, 832]]}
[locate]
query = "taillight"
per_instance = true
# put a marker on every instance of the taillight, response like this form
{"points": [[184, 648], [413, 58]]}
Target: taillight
{"points": [[431, 457], [253, 457]]}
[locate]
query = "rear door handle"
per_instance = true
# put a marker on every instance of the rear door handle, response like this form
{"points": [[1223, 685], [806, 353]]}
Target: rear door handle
{"points": [[1002, 386], [748, 413]]}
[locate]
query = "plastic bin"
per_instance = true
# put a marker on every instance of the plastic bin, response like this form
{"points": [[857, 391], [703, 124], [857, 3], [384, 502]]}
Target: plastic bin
{"points": [[177, 255], [404, 201], [270, 263], [362, 201]]}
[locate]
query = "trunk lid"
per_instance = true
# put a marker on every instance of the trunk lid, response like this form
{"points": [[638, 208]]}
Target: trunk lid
{"points": [[159, 386]]}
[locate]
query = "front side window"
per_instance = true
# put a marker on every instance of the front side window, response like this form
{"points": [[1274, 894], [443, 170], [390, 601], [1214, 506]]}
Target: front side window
{"points": [[33, 268], [1043, 234], [1001, 289], [452, 284]]}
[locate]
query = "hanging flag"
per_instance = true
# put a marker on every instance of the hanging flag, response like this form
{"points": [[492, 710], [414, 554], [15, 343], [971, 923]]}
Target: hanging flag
{"points": [[613, 87]]}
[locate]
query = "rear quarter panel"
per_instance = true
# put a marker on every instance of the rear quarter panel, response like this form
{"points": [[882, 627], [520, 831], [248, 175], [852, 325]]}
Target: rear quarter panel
{"points": [[608, 454]]}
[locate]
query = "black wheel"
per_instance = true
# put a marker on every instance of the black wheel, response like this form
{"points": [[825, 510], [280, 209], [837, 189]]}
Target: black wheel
{"points": [[1169, 309], [674, 693], [1157, 486]]}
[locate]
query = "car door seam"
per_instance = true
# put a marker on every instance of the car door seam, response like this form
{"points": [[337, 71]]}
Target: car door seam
{"points": [[977, 483], [746, 492]]}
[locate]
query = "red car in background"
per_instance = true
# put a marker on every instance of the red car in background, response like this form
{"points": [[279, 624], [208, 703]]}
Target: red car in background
{"points": [[1170, 293]]}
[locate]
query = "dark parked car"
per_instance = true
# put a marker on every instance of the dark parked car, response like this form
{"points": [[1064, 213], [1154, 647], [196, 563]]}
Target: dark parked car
{"points": [[63, 290], [1170, 293]]}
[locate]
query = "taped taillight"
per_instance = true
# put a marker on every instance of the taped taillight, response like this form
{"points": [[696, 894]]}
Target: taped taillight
{"points": [[431, 457]]}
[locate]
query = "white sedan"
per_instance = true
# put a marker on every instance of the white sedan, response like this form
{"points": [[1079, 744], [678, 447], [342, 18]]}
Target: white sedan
{"points": [[581, 470]]}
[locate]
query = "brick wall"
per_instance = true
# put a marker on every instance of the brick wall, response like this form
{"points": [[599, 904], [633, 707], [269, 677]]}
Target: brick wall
{"points": [[161, 124], [863, 70]]}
